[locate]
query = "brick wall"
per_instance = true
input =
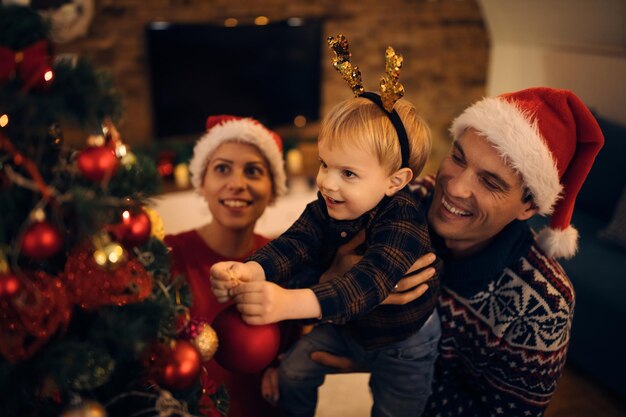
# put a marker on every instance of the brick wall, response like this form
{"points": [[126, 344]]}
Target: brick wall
{"points": [[444, 43]]}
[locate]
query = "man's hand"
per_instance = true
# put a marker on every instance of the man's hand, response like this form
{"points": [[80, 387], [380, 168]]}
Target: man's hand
{"points": [[407, 290], [340, 363], [345, 258], [413, 286], [269, 386]]}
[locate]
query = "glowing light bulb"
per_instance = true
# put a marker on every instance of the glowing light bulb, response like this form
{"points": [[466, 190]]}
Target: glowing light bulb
{"points": [[299, 121], [121, 151], [261, 20], [295, 21], [48, 75], [231, 22], [295, 162], [4, 120], [116, 254]]}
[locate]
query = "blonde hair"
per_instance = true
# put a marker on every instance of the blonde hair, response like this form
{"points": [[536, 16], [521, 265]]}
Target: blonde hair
{"points": [[358, 122]]}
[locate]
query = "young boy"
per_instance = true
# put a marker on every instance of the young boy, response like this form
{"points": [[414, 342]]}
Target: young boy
{"points": [[362, 182]]}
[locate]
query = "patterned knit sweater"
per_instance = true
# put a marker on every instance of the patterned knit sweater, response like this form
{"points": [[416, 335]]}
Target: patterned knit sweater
{"points": [[506, 315]]}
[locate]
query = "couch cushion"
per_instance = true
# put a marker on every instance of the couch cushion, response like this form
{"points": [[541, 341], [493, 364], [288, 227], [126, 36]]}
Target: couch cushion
{"points": [[615, 232], [598, 268], [597, 273], [603, 186]]}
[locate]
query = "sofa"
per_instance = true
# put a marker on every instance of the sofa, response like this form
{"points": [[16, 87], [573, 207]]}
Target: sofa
{"points": [[598, 271]]}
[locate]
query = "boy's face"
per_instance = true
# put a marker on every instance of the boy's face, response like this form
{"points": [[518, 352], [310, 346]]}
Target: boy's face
{"points": [[352, 181], [476, 195]]}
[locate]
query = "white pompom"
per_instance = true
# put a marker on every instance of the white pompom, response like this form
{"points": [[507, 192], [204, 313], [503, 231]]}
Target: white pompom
{"points": [[558, 243]]}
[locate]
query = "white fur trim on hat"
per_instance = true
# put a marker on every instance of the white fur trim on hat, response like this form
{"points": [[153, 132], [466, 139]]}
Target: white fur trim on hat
{"points": [[516, 136], [238, 130], [558, 243]]}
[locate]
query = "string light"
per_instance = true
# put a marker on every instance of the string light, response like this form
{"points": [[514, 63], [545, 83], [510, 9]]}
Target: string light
{"points": [[4, 120], [299, 121], [261, 20], [295, 21], [231, 22]]}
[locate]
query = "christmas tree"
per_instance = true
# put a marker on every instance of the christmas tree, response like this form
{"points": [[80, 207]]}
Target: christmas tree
{"points": [[91, 321]]}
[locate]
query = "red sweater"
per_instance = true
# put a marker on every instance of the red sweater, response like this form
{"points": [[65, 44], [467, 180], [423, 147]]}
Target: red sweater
{"points": [[192, 257]]}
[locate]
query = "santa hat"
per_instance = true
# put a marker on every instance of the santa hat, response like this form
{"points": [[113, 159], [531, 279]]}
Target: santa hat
{"points": [[227, 128], [549, 137]]}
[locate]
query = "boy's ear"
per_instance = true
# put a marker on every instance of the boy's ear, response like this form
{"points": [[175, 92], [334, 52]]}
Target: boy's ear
{"points": [[398, 180]]}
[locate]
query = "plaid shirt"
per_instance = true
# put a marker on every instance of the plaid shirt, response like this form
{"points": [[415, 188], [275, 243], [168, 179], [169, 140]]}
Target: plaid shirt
{"points": [[396, 235]]}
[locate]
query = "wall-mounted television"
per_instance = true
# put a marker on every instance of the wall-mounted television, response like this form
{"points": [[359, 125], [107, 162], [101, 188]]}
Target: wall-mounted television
{"points": [[270, 72]]}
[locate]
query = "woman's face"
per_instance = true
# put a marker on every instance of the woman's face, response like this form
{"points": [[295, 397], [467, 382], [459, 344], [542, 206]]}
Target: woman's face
{"points": [[237, 185]]}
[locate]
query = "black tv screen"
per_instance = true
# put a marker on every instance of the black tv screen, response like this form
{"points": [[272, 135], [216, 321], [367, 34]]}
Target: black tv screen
{"points": [[270, 72]]}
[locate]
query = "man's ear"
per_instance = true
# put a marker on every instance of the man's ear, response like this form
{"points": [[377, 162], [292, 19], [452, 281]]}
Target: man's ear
{"points": [[398, 180], [528, 211]]}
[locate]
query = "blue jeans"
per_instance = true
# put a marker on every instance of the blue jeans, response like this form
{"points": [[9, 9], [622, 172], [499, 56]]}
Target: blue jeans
{"points": [[401, 373]]}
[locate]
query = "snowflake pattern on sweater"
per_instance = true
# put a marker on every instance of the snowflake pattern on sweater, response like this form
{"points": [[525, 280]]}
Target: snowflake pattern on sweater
{"points": [[504, 339]]}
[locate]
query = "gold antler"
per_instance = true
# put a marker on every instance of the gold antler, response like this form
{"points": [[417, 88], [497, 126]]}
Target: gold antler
{"points": [[390, 89], [339, 45]]}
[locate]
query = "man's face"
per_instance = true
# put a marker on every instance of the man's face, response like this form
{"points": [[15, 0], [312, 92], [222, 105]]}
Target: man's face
{"points": [[476, 195]]}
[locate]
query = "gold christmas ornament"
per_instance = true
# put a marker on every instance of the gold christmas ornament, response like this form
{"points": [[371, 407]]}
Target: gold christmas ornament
{"points": [[156, 222], [206, 341], [390, 88]]}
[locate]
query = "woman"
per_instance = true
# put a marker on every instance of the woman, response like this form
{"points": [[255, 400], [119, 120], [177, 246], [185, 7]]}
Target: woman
{"points": [[238, 168]]}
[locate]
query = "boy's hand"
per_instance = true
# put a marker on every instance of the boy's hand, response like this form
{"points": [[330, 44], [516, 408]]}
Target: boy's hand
{"points": [[227, 275], [260, 302], [224, 277], [263, 302]]}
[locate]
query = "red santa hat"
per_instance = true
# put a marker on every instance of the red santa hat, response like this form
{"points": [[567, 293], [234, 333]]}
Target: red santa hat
{"points": [[551, 138], [227, 128]]}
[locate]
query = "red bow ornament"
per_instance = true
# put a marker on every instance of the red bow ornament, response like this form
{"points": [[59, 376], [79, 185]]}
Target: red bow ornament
{"points": [[32, 65]]}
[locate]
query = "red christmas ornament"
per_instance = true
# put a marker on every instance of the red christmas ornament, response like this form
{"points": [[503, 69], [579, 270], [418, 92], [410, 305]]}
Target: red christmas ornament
{"points": [[41, 240], [175, 365], [134, 229], [9, 285], [97, 162], [165, 164], [242, 347]]}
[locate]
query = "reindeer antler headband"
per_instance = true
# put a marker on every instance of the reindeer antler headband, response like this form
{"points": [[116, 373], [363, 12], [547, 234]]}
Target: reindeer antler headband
{"points": [[390, 88]]}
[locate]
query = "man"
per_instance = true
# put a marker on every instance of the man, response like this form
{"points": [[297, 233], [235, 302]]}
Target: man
{"points": [[506, 305]]}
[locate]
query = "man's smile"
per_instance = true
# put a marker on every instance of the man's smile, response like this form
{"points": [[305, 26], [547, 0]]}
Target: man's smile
{"points": [[453, 209]]}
